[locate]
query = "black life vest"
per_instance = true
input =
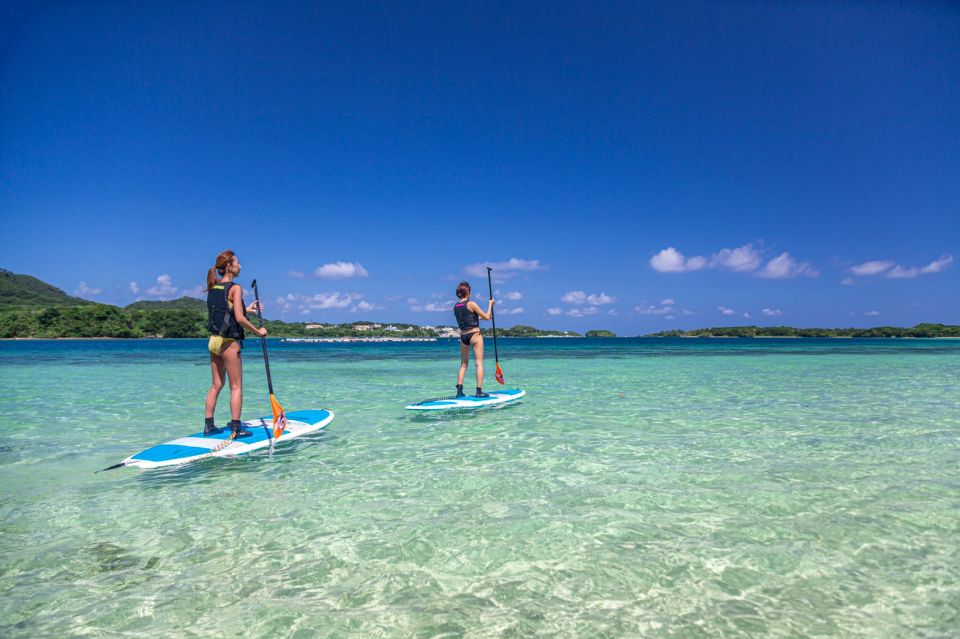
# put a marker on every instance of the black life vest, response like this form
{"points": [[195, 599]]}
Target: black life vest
{"points": [[466, 319], [220, 318]]}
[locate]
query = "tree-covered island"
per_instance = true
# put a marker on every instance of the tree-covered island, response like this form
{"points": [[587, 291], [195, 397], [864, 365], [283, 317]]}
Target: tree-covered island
{"points": [[31, 308], [920, 330]]}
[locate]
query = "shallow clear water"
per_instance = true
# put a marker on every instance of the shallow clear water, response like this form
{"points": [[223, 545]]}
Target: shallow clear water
{"points": [[643, 487]]}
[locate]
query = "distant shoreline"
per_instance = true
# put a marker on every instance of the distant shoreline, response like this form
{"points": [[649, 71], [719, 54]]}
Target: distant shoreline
{"points": [[783, 337], [324, 340]]}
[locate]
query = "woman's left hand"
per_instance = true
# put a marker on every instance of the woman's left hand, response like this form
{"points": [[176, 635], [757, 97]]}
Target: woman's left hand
{"points": [[256, 306]]}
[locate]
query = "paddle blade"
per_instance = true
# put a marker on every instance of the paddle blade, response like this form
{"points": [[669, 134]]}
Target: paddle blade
{"points": [[279, 417], [499, 374]]}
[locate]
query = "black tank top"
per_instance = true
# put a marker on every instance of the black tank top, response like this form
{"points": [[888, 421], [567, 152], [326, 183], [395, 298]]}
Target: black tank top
{"points": [[466, 319], [220, 318]]}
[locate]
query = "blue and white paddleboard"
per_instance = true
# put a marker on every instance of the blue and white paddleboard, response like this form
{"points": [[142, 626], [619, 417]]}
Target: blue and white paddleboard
{"points": [[196, 446], [469, 401]]}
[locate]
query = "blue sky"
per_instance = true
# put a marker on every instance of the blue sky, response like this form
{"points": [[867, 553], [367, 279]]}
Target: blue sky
{"points": [[631, 166]]}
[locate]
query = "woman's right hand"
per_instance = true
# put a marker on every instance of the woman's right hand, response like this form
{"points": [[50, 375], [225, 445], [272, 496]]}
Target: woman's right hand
{"points": [[262, 332]]}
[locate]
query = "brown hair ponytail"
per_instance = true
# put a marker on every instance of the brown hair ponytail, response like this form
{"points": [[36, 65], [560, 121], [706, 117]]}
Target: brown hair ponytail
{"points": [[219, 268]]}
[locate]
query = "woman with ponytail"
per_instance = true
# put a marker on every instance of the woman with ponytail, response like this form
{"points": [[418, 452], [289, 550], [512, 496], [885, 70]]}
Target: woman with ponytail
{"points": [[226, 319], [469, 314]]}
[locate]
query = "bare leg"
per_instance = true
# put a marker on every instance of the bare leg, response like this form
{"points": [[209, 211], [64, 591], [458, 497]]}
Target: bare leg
{"points": [[464, 360], [217, 371], [231, 357], [477, 343]]}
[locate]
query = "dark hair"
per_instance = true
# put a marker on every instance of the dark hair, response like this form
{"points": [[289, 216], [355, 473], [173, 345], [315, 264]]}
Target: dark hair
{"points": [[219, 268], [463, 289]]}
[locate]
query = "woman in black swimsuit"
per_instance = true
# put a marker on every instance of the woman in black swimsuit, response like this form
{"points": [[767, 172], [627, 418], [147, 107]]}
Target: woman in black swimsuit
{"points": [[468, 316]]}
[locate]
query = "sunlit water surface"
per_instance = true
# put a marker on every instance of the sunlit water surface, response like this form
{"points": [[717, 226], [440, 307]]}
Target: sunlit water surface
{"points": [[720, 488]]}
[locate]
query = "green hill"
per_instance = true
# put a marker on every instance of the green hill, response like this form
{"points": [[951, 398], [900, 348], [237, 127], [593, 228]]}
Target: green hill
{"points": [[600, 333], [187, 303], [19, 291]]}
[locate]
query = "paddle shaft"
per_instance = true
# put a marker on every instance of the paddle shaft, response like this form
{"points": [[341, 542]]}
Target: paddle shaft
{"points": [[263, 340], [493, 321]]}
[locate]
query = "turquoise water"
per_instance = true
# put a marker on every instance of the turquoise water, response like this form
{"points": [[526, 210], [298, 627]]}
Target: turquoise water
{"points": [[661, 488]]}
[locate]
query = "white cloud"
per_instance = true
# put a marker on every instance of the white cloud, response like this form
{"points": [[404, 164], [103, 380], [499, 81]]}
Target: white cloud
{"points": [[667, 309], [670, 260], [289, 302], [726, 311], [317, 302], [325, 301], [364, 306], [653, 310], [579, 297], [936, 266], [848, 281], [577, 311], [164, 288], [297, 274], [784, 266], [513, 295], [510, 311], [772, 312], [436, 305], [744, 259], [86, 291], [872, 313], [504, 270], [199, 291], [739, 260], [340, 270], [896, 271], [584, 304], [134, 287], [747, 315], [871, 268]]}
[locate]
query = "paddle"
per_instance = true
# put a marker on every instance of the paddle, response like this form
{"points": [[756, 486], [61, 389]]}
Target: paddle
{"points": [[279, 417], [499, 373]]}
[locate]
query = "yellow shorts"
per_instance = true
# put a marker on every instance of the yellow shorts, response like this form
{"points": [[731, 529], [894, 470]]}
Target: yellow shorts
{"points": [[218, 343]]}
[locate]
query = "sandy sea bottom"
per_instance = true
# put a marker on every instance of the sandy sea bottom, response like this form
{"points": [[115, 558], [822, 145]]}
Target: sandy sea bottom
{"points": [[720, 488]]}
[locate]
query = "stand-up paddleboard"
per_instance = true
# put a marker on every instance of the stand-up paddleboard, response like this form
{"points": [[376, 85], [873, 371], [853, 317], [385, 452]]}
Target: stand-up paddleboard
{"points": [[196, 446], [469, 401]]}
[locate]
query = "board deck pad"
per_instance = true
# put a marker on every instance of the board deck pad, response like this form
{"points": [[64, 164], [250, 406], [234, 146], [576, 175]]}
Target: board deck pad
{"points": [[469, 401], [196, 446]]}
